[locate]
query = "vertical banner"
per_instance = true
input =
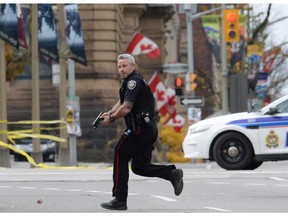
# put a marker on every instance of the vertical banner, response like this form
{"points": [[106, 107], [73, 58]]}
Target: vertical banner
{"points": [[255, 53], [74, 35], [47, 37], [261, 85], [73, 115], [255, 56], [9, 24], [237, 49], [269, 58], [211, 26], [21, 30], [25, 10]]}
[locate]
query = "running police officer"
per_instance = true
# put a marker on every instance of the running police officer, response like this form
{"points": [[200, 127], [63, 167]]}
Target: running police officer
{"points": [[136, 105]]}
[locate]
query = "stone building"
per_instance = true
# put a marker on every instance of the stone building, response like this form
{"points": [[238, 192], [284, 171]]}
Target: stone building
{"points": [[107, 29]]}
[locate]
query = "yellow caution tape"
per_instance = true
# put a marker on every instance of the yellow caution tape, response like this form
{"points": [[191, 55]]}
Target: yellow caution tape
{"points": [[39, 165], [38, 122], [41, 136], [29, 158], [17, 134]]}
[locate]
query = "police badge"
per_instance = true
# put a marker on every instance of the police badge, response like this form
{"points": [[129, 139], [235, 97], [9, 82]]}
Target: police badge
{"points": [[272, 140], [131, 84]]}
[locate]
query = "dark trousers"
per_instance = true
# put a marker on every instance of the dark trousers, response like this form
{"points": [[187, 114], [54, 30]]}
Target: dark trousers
{"points": [[138, 147]]}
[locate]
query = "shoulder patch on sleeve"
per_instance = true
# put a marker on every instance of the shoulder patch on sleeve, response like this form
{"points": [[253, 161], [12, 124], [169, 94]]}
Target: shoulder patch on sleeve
{"points": [[131, 84]]}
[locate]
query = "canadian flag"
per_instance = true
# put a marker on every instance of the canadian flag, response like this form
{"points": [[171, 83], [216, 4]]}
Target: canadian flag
{"points": [[140, 44], [159, 91], [166, 102], [177, 122], [170, 106]]}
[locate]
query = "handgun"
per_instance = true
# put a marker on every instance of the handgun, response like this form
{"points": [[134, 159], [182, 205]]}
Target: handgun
{"points": [[97, 121]]}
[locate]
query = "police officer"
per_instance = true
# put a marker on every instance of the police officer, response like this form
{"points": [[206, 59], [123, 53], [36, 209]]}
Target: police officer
{"points": [[136, 105]]}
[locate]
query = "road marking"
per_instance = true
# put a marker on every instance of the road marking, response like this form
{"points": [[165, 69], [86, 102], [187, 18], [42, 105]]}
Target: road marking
{"points": [[277, 179], [255, 184], [152, 181], [133, 194], [222, 193], [93, 191], [281, 185], [73, 190], [54, 189], [219, 183], [3, 186], [27, 188], [218, 209], [164, 198]]}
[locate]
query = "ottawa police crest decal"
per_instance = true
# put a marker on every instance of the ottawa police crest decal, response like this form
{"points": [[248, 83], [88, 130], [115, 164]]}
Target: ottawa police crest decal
{"points": [[131, 84], [272, 140]]}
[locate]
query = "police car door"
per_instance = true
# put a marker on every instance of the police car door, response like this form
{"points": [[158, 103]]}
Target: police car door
{"points": [[273, 130]]}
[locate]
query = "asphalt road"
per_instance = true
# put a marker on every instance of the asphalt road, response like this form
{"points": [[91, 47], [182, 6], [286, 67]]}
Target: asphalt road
{"points": [[207, 189]]}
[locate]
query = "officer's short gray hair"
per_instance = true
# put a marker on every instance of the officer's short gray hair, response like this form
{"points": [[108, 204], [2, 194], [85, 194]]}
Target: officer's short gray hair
{"points": [[130, 58]]}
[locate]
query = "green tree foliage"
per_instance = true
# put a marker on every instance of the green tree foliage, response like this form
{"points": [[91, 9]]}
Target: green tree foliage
{"points": [[15, 62], [173, 141]]}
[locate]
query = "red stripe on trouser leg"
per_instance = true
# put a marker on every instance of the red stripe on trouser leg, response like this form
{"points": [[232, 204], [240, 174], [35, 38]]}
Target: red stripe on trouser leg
{"points": [[116, 165]]}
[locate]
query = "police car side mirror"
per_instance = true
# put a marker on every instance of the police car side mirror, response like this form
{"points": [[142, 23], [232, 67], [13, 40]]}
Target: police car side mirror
{"points": [[272, 111], [255, 107]]}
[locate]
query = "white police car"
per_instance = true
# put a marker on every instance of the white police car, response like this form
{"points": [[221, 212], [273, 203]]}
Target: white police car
{"points": [[241, 140]]}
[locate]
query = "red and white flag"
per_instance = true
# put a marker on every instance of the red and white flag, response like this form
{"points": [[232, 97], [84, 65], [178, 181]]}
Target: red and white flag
{"points": [[166, 102], [177, 122], [170, 106], [21, 31], [269, 58], [140, 44], [159, 91]]}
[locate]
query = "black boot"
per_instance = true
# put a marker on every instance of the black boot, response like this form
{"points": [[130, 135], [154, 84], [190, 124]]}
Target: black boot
{"points": [[114, 204], [177, 181]]}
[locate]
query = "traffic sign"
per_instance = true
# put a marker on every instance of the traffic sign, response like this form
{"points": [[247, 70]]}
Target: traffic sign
{"points": [[176, 68], [193, 101]]}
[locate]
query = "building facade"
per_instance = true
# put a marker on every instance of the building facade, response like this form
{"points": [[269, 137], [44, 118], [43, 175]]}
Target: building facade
{"points": [[107, 30]]}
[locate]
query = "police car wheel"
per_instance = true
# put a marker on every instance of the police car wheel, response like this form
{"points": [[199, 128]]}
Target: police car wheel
{"points": [[232, 151], [253, 165]]}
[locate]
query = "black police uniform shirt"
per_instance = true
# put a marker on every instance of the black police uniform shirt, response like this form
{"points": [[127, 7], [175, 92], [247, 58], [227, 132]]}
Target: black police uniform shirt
{"points": [[135, 89]]}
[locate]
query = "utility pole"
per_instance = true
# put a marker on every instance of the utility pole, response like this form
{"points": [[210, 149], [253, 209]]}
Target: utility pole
{"points": [[4, 153], [190, 10], [36, 153], [72, 137], [63, 155], [224, 69]]}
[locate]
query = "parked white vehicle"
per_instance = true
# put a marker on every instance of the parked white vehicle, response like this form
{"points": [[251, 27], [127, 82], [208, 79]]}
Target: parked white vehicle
{"points": [[241, 140]]}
